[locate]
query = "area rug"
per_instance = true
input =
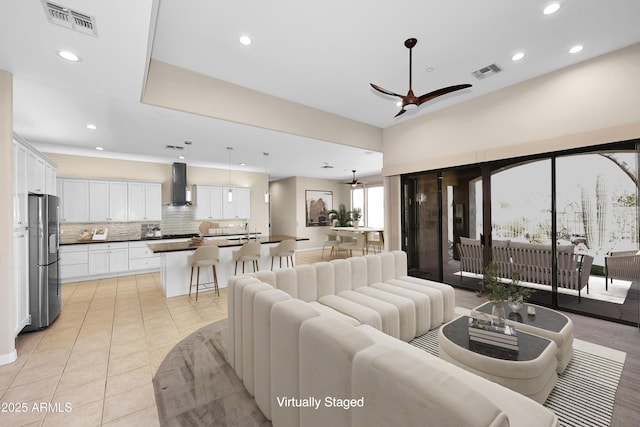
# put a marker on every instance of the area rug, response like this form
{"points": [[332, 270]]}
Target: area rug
{"points": [[585, 392], [195, 386]]}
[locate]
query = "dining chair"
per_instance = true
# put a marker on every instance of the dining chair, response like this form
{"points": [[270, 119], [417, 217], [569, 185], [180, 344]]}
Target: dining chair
{"points": [[332, 241], [350, 241]]}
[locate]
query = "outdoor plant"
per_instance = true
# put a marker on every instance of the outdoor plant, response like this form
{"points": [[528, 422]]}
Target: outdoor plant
{"points": [[340, 217]]}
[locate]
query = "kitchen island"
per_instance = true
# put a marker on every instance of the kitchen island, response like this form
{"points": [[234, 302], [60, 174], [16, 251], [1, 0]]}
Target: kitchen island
{"points": [[175, 270]]}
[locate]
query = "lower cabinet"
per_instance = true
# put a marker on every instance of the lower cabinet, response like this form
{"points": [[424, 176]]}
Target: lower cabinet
{"points": [[74, 262], [21, 279], [141, 257], [105, 258]]}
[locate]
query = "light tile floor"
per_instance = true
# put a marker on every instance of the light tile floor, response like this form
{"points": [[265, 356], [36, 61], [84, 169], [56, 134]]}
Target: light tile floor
{"points": [[94, 365], [99, 356]]}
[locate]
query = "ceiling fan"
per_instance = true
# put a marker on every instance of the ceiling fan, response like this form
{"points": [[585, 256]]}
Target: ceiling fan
{"points": [[410, 101], [354, 181]]}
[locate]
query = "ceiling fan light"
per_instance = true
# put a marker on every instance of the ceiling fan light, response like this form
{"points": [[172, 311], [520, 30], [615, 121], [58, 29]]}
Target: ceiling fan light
{"points": [[550, 9], [576, 49], [411, 106]]}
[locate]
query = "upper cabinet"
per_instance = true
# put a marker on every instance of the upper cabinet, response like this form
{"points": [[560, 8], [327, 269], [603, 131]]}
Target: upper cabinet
{"points": [[20, 191], [36, 173], [32, 173], [107, 201], [145, 201], [208, 202], [74, 199], [236, 203], [214, 202], [93, 200]]}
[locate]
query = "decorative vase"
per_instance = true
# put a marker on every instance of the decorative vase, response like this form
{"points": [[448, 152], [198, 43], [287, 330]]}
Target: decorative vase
{"points": [[498, 313], [515, 306], [356, 224]]}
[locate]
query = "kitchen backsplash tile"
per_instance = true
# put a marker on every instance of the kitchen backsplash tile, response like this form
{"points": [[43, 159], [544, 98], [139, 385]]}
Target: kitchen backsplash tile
{"points": [[175, 220]]}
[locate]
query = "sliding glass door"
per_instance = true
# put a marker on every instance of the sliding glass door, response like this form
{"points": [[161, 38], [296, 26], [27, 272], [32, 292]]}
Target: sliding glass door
{"points": [[566, 224]]}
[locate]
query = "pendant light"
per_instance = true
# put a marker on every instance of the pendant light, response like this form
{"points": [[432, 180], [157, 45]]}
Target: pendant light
{"points": [[187, 192], [230, 192], [266, 163]]}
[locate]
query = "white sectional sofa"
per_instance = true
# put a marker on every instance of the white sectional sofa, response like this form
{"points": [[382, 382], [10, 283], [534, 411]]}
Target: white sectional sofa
{"points": [[332, 334]]}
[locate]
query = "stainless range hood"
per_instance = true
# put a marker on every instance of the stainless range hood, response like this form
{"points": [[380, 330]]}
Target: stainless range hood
{"points": [[179, 183]]}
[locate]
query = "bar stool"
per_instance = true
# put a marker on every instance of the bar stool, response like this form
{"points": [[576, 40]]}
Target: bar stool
{"points": [[285, 249], [248, 252], [204, 256]]}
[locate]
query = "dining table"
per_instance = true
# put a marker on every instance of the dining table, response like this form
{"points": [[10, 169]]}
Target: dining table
{"points": [[366, 231]]}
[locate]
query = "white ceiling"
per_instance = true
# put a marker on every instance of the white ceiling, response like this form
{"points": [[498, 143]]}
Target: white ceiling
{"points": [[320, 54]]}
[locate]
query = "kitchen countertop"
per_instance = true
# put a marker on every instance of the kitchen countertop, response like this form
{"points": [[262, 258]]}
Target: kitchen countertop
{"points": [[66, 242], [223, 243]]}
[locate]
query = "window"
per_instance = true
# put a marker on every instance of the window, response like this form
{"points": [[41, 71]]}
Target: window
{"points": [[371, 201]]}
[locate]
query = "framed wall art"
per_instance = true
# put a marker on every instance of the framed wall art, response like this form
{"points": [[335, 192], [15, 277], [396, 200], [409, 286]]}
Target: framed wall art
{"points": [[318, 205]]}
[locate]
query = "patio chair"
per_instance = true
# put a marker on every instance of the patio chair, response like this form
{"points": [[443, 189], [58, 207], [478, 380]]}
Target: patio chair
{"points": [[623, 265]]}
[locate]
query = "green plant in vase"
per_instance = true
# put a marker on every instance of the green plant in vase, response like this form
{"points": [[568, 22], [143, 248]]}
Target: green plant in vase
{"points": [[500, 292], [356, 215], [518, 294], [340, 217]]}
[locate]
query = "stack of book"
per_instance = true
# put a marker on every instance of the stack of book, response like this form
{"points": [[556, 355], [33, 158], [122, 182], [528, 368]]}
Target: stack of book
{"points": [[484, 332]]}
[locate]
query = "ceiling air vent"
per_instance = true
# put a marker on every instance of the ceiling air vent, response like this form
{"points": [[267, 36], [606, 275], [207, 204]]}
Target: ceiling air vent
{"points": [[174, 147], [487, 71], [71, 19]]}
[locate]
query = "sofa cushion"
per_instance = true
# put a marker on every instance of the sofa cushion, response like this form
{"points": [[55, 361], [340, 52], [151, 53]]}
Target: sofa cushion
{"points": [[327, 350], [420, 301], [468, 241], [325, 278], [388, 262], [249, 293], [406, 309], [448, 294], [407, 390], [358, 272], [328, 311], [306, 282], [262, 305], [342, 269], [374, 268], [287, 280], [286, 319], [235, 319], [389, 313], [362, 314], [436, 299]]}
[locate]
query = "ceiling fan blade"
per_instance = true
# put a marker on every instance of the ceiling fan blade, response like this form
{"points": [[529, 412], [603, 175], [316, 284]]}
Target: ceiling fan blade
{"points": [[399, 113], [436, 93], [383, 90]]}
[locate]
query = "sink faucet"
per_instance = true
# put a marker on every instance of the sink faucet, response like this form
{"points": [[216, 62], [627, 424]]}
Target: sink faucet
{"points": [[246, 228]]}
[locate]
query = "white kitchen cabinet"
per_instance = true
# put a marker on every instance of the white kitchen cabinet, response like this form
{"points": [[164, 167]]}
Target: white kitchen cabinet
{"points": [[20, 192], [208, 202], [107, 201], [36, 182], [74, 196], [21, 279], [141, 257], [50, 180], [145, 201], [74, 261], [240, 205], [107, 258]]}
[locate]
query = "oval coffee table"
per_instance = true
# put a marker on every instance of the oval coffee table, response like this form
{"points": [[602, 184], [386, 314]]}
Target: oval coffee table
{"points": [[531, 371], [545, 323]]}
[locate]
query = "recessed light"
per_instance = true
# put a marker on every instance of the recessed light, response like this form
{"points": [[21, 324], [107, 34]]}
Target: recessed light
{"points": [[576, 49], [430, 69], [517, 57], [552, 8], [245, 40], [69, 56], [181, 157], [91, 126], [99, 148], [242, 164]]}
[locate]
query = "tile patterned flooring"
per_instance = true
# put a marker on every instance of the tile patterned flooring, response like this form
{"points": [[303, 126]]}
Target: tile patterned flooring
{"points": [[100, 355]]}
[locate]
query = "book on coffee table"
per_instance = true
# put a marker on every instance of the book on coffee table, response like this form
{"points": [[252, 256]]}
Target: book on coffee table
{"points": [[485, 332]]}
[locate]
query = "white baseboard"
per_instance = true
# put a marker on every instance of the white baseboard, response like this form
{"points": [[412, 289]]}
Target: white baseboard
{"points": [[11, 357]]}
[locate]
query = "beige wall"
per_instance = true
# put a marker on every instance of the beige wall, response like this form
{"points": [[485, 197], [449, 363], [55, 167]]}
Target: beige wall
{"points": [[283, 207], [7, 339], [594, 102], [93, 167], [180, 89]]}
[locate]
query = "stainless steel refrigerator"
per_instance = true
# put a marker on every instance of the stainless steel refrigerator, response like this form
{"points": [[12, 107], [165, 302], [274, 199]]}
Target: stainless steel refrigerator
{"points": [[44, 280]]}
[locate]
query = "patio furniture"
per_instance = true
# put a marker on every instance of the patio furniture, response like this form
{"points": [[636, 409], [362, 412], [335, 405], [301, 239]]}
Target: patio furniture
{"points": [[621, 265], [470, 251]]}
